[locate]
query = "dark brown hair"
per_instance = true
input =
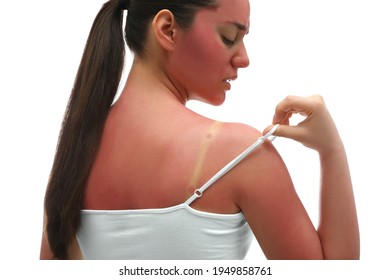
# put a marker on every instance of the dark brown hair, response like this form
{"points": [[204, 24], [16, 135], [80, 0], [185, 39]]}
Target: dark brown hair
{"points": [[94, 90]]}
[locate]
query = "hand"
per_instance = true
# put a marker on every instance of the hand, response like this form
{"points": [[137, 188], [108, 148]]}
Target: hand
{"points": [[317, 131]]}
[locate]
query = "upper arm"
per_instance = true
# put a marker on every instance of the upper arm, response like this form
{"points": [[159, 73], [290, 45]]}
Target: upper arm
{"points": [[266, 195]]}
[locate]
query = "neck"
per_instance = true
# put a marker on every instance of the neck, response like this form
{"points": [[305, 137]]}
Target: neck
{"points": [[148, 78]]}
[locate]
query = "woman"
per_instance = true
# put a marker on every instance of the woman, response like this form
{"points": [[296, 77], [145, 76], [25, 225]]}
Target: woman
{"points": [[129, 179]]}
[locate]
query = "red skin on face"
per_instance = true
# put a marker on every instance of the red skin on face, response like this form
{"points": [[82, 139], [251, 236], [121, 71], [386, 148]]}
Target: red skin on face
{"points": [[202, 61]]}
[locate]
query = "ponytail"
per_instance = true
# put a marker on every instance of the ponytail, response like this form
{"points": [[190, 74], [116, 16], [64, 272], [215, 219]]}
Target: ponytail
{"points": [[92, 95]]}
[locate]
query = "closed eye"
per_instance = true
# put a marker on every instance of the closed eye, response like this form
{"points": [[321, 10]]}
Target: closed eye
{"points": [[227, 42]]}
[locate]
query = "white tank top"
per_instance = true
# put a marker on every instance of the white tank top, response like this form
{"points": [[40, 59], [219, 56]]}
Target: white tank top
{"points": [[177, 232]]}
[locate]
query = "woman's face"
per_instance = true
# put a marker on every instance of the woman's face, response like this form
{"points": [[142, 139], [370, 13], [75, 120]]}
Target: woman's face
{"points": [[208, 55]]}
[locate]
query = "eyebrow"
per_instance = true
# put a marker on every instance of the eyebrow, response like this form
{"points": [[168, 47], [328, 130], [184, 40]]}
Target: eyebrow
{"points": [[240, 26]]}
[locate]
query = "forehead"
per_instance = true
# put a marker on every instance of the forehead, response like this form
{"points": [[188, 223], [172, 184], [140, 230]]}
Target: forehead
{"points": [[227, 11]]}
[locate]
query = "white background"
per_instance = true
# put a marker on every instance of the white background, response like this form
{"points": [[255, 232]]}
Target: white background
{"points": [[339, 49]]}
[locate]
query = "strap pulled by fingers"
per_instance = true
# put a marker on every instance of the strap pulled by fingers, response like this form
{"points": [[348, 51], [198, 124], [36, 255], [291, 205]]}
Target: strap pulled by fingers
{"points": [[270, 133], [198, 193]]}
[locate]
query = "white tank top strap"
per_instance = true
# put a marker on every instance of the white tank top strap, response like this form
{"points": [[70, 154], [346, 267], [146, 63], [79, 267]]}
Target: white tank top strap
{"points": [[198, 192]]}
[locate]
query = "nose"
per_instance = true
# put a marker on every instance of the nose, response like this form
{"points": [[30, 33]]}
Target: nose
{"points": [[241, 59]]}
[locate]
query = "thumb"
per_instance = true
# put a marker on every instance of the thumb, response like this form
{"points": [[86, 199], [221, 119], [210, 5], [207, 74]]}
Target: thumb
{"points": [[267, 129], [286, 131]]}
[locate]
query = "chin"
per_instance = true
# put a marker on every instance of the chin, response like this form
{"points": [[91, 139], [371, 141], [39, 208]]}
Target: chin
{"points": [[219, 103], [215, 100]]}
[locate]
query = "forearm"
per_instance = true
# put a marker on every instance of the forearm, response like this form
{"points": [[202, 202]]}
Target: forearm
{"points": [[338, 228]]}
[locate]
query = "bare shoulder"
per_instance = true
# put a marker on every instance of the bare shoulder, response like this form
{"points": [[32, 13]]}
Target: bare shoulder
{"points": [[238, 135], [264, 192], [259, 171], [262, 166]]}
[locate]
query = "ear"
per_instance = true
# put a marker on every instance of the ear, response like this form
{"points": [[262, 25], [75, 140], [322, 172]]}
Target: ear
{"points": [[165, 29]]}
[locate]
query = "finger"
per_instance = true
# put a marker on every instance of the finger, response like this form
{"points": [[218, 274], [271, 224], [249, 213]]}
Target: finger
{"points": [[292, 105], [282, 119], [269, 131], [286, 131]]}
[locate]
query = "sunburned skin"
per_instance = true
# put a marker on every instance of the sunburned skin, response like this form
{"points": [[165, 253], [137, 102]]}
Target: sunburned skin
{"points": [[216, 33], [156, 154], [194, 182]]}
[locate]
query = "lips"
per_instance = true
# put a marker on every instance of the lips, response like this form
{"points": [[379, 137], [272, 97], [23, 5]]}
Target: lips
{"points": [[227, 81]]}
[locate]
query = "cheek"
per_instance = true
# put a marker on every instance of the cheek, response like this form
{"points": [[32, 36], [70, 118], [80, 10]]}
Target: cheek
{"points": [[201, 55]]}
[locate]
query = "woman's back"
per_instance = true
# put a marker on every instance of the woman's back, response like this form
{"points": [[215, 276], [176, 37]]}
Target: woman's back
{"points": [[149, 163], [148, 151], [156, 154]]}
